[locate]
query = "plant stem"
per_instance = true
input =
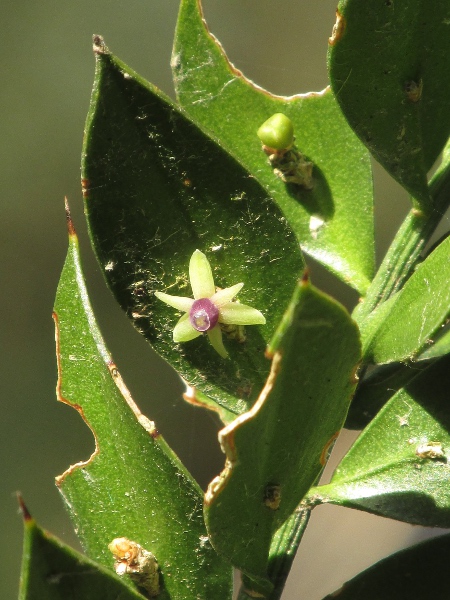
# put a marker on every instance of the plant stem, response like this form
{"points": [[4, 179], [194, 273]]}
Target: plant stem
{"points": [[282, 553], [407, 246], [284, 548]]}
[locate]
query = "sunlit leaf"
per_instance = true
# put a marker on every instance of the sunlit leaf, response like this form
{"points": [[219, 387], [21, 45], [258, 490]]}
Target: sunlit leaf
{"points": [[276, 450], [388, 65], [406, 324], [377, 388], [156, 189], [334, 221], [398, 467], [133, 485], [53, 571], [439, 347]]}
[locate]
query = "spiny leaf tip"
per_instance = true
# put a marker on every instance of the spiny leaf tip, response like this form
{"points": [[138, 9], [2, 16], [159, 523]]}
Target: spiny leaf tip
{"points": [[98, 45], [70, 225], [23, 509]]}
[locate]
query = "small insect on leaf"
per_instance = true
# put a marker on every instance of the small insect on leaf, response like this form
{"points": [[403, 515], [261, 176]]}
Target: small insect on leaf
{"points": [[140, 564], [288, 163]]}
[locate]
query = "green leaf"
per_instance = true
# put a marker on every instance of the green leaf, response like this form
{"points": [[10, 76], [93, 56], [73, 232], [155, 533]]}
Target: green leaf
{"points": [[419, 573], [283, 550], [133, 485], [398, 467], [388, 65], [276, 451], [53, 571], [377, 388], [156, 189], [442, 171], [334, 221], [284, 546], [405, 324], [440, 346]]}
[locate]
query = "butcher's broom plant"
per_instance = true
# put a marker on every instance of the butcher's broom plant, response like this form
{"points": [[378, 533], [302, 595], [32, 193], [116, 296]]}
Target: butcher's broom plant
{"points": [[200, 214]]}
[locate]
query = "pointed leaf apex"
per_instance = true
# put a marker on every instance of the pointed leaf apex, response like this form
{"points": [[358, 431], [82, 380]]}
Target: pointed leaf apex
{"points": [[70, 225], [98, 45], [305, 277], [23, 509]]}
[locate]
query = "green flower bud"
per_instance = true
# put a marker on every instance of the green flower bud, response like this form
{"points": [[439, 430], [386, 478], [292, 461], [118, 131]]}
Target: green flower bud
{"points": [[277, 132]]}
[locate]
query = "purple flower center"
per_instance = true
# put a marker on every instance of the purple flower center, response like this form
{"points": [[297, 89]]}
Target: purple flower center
{"points": [[204, 314]]}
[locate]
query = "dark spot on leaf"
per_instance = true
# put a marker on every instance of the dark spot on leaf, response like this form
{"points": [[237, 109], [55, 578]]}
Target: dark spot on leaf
{"points": [[272, 496], [413, 90]]}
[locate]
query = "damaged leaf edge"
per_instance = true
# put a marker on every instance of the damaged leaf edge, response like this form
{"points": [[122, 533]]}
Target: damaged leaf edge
{"points": [[144, 421], [197, 398], [227, 434], [240, 75]]}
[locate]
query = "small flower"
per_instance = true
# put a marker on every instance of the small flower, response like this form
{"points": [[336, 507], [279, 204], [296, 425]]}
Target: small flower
{"points": [[208, 309]]}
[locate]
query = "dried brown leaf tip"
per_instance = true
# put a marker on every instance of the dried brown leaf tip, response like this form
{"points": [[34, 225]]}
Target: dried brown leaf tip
{"points": [[23, 509], [98, 45], [305, 277], [70, 225]]}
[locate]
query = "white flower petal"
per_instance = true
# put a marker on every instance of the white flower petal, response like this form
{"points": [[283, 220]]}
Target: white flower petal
{"points": [[183, 330], [224, 296], [234, 313], [201, 276], [215, 337], [178, 302]]}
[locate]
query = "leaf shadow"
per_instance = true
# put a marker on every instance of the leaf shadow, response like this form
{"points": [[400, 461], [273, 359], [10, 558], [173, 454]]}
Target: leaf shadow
{"points": [[319, 200], [430, 390], [413, 507]]}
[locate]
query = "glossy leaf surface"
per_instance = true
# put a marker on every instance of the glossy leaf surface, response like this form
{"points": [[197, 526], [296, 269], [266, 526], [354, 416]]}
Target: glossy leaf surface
{"points": [[377, 388], [398, 467], [157, 189], [419, 572], [440, 346], [53, 571], [276, 450], [333, 222], [388, 63], [404, 325], [133, 485]]}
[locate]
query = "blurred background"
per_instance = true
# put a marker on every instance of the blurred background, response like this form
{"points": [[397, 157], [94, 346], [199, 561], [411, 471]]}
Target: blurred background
{"points": [[46, 69]]}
